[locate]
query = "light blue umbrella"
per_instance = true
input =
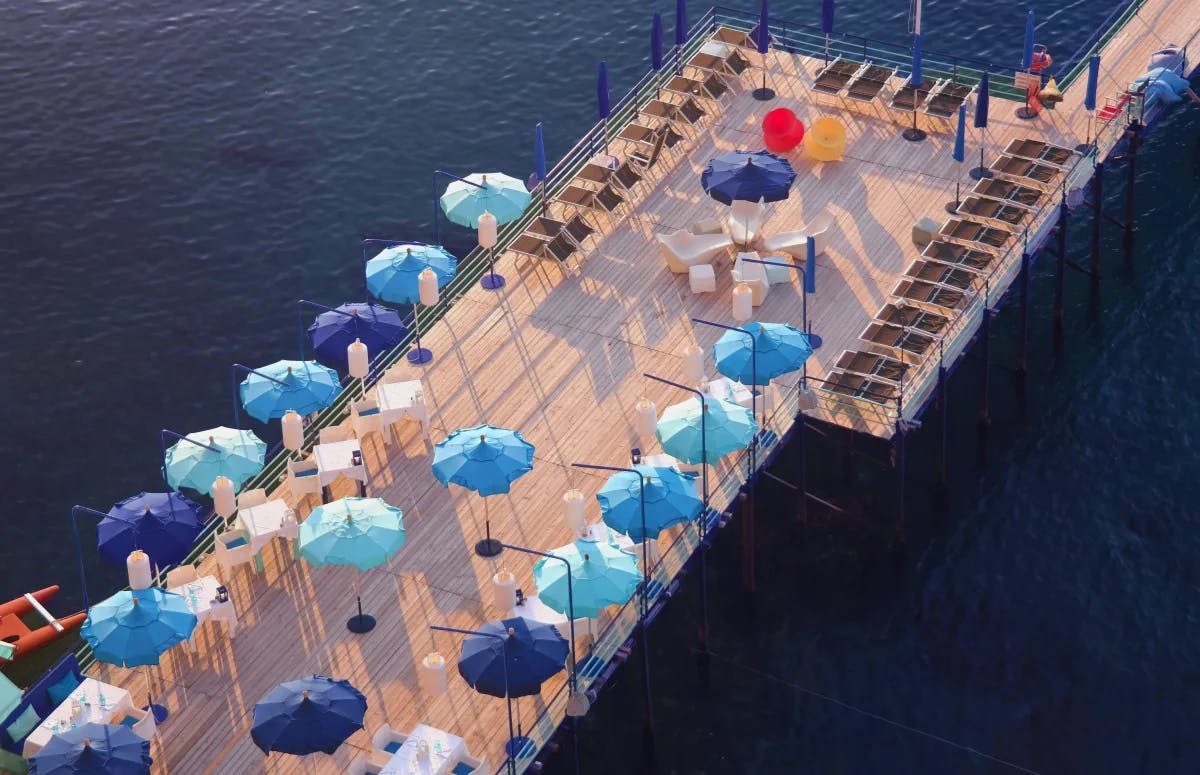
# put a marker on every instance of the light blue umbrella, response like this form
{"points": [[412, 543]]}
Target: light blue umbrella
{"points": [[304, 387], [135, 627], [501, 195], [392, 275], [234, 454], [601, 575], [727, 427], [671, 499], [778, 349], [485, 459], [363, 532]]}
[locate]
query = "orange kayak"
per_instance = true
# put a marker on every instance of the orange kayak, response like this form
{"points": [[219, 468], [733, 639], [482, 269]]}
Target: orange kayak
{"points": [[17, 639]]}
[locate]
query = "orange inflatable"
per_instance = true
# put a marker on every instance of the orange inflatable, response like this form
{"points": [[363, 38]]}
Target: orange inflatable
{"points": [[17, 635]]}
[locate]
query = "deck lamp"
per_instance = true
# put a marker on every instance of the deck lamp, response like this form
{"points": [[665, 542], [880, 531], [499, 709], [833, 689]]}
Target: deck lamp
{"points": [[487, 240], [427, 290]]}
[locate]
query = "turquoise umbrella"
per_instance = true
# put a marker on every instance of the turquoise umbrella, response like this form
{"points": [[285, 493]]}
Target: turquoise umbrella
{"points": [[234, 454], [671, 499], [727, 427], [601, 575], [778, 349], [501, 195], [363, 532], [304, 387], [392, 275]]}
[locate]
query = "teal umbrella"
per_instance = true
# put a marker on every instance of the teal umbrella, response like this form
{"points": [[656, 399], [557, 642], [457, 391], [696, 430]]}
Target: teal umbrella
{"points": [[196, 463], [304, 387], [727, 427], [601, 575], [778, 349], [392, 275], [671, 499], [363, 532], [501, 195]]}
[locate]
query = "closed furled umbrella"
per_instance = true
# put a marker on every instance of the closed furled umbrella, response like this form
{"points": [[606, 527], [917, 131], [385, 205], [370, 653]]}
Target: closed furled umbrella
{"points": [[1027, 49], [960, 152], [749, 176], [304, 387], [376, 326], [827, 7], [601, 575], [727, 426], [307, 716], [602, 99], [981, 121], [197, 460], [656, 43], [671, 499], [165, 525], [762, 42], [94, 749]]}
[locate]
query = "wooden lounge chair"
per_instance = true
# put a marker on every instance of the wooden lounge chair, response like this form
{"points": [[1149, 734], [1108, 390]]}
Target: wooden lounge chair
{"points": [[661, 110], [638, 133], [606, 198], [690, 112], [720, 57], [872, 365], [1041, 175], [858, 386], [733, 37], [908, 97], [578, 229], [999, 188], [626, 176], [944, 104], [834, 76], [953, 254], [986, 209], [647, 159], [942, 274], [595, 173], [869, 82], [711, 86], [918, 292], [970, 231], [932, 323], [901, 342], [1037, 150], [561, 248], [544, 228]]}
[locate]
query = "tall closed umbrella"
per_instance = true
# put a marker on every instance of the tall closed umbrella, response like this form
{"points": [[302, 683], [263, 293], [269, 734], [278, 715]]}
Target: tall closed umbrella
{"points": [[602, 99], [671, 499], [363, 532], [762, 42], [206, 455], [981, 121], [681, 32], [1027, 49], [539, 161], [376, 326], [727, 427], [1089, 99], [304, 387], [960, 152], [749, 176], [656, 43], [827, 7], [393, 273], [165, 525], [913, 133], [307, 716], [485, 459], [94, 749], [601, 575], [502, 195]]}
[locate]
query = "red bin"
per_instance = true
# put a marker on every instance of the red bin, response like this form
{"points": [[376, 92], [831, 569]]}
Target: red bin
{"points": [[782, 131]]}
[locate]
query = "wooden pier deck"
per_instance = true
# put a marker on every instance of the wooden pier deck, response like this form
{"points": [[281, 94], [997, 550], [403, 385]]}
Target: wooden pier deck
{"points": [[560, 356]]}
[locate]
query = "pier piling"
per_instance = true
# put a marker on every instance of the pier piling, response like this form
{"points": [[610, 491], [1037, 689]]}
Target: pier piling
{"points": [[747, 498], [1133, 135], [1060, 272]]}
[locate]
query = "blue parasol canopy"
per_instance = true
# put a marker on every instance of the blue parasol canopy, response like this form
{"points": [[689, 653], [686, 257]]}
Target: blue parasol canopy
{"points": [[234, 454], [94, 749], [656, 46], [531, 651], [484, 458], [301, 386], [363, 532], [165, 525], [960, 134], [308, 715], [827, 16], [778, 349], [378, 327], [1027, 51], [392, 275], [749, 176], [1089, 97], [681, 26], [502, 195], [135, 627], [602, 91], [671, 499], [601, 575], [728, 427], [981, 104]]}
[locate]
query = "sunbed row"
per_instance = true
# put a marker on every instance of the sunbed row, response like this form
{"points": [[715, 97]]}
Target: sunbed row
{"points": [[860, 84]]}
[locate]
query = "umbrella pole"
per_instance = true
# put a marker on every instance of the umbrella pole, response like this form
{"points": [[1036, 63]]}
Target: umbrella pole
{"points": [[419, 355], [952, 207], [492, 281], [362, 622], [160, 712], [488, 547]]}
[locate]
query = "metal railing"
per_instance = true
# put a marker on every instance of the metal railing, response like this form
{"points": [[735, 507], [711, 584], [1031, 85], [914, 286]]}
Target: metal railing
{"points": [[1068, 69]]}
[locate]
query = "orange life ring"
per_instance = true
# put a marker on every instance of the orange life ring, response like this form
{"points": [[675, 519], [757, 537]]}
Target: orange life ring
{"points": [[1041, 59]]}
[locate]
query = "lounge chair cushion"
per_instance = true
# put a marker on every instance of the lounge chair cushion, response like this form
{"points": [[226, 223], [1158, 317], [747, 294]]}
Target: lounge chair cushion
{"points": [[235, 543], [24, 724], [61, 690], [702, 278], [305, 472], [368, 412]]}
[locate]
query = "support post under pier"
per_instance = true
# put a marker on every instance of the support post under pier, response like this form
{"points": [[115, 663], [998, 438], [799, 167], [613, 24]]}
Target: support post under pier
{"points": [[1060, 273], [1133, 133]]}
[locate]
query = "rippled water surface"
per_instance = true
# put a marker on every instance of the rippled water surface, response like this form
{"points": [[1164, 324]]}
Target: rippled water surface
{"points": [[175, 175]]}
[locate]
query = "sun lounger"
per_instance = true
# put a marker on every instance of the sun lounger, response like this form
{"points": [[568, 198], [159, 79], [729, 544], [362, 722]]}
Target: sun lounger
{"points": [[720, 57], [606, 199], [908, 97], [646, 159], [958, 255], [1041, 175], [544, 228], [559, 247], [923, 320], [682, 249], [858, 386], [834, 76], [866, 85], [661, 110], [970, 231], [999, 188], [733, 37], [872, 365], [919, 292], [942, 274], [944, 104], [638, 133], [595, 173], [1041, 151], [690, 112], [578, 229], [897, 340], [712, 86], [626, 176], [987, 209]]}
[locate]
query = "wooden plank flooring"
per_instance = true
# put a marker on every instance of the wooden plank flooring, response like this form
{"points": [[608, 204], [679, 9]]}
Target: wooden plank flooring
{"points": [[559, 355]]}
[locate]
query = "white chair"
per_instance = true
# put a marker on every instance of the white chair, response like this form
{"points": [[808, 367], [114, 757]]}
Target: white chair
{"points": [[795, 243], [387, 739], [753, 275], [683, 249], [290, 528], [364, 415], [333, 434], [745, 219], [250, 498], [139, 720], [702, 278], [707, 226], [184, 574], [778, 275], [366, 764], [478, 766], [302, 478], [232, 549]]}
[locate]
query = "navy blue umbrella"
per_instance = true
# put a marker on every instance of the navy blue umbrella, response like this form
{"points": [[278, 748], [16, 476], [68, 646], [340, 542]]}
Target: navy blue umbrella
{"points": [[308, 715], [960, 134], [378, 327], [602, 91], [94, 749], [981, 104], [917, 78], [1027, 52], [516, 664], [656, 43], [762, 33], [749, 176], [1089, 98], [539, 153], [827, 23], [681, 27], [165, 525]]}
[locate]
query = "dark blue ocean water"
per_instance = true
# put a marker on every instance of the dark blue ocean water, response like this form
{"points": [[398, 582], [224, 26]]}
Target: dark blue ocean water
{"points": [[174, 176]]}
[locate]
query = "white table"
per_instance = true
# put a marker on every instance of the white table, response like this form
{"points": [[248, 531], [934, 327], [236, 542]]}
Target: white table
{"points": [[533, 609], [724, 387], [265, 521], [336, 459], [598, 531], [87, 696], [660, 461], [201, 597], [398, 400], [445, 750]]}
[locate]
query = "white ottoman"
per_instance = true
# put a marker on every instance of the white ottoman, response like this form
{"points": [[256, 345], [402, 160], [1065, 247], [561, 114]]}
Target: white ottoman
{"points": [[702, 278]]}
